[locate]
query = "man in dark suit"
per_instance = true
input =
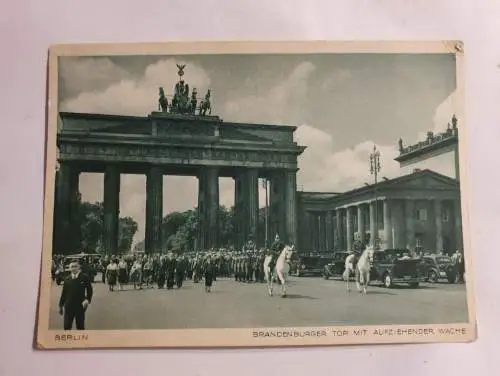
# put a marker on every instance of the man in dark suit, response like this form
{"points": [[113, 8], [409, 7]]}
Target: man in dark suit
{"points": [[75, 297]]}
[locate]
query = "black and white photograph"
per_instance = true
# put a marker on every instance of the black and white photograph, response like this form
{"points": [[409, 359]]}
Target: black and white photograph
{"points": [[255, 194]]}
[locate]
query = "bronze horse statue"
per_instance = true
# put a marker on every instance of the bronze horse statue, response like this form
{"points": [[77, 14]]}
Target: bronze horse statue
{"points": [[205, 105], [162, 101]]}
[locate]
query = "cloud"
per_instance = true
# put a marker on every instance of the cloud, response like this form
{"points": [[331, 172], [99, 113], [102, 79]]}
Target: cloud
{"points": [[279, 104], [89, 74], [132, 95], [442, 116], [326, 167], [445, 163]]}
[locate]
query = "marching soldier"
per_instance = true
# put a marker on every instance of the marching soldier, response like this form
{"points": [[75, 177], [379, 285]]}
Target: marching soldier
{"points": [[180, 270], [171, 265]]}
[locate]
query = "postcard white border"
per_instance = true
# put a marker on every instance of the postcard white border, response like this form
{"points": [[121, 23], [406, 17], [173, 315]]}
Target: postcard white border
{"points": [[258, 337]]}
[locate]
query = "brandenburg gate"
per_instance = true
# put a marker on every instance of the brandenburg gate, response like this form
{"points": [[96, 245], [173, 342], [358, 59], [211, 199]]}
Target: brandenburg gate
{"points": [[181, 138]]}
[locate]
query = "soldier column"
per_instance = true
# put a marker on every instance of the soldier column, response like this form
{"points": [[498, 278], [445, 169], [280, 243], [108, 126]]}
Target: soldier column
{"points": [[154, 210]]}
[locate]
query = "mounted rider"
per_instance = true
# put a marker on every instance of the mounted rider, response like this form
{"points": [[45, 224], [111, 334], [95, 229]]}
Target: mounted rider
{"points": [[275, 251], [357, 249]]}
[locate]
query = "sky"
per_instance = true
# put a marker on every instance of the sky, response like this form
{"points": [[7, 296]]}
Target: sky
{"points": [[342, 105]]}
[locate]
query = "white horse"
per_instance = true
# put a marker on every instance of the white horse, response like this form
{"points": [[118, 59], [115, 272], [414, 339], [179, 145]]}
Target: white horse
{"points": [[363, 269], [349, 270], [281, 270]]}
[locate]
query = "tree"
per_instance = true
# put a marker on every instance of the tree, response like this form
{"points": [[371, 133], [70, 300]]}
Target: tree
{"points": [[90, 218], [226, 226], [126, 231]]}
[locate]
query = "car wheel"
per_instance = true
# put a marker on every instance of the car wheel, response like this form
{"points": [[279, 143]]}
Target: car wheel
{"points": [[414, 285], [387, 280], [433, 277]]}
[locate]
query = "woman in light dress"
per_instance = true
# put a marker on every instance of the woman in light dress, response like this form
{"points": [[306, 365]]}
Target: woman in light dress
{"points": [[136, 274], [112, 274]]}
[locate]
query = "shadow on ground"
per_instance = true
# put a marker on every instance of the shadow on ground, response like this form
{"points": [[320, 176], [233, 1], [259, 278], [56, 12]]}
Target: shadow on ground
{"points": [[298, 296]]}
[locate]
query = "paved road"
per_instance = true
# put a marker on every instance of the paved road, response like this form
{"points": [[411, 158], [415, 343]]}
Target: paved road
{"points": [[310, 302]]}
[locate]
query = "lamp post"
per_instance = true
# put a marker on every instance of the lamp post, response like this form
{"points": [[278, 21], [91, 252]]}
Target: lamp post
{"points": [[375, 168]]}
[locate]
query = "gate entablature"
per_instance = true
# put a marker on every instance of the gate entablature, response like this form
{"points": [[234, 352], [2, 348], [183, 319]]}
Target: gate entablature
{"points": [[172, 140]]}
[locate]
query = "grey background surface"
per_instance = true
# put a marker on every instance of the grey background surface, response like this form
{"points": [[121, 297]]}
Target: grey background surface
{"points": [[29, 27]]}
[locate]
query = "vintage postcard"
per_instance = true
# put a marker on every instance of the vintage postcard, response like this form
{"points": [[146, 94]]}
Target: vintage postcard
{"points": [[255, 194]]}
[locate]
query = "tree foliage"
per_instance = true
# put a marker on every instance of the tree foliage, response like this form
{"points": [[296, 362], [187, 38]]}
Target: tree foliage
{"points": [[91, 220]]}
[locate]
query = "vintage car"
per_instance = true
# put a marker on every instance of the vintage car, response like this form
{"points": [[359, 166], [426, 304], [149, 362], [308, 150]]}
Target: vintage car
{"points": [[436, 267], [312, 264], [391, 267], [336, 267]]}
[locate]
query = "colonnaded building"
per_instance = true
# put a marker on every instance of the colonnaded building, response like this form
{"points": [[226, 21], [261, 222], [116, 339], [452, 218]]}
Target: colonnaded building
{"points": [[418, 211]]}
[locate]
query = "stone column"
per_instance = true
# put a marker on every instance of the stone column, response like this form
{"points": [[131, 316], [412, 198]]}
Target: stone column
{"points": [[339, 239], [111, 209], [201, 239], [410, 223], [277, 206], [212, 206], [373, 224], [238, 212], [387, 225], [329, 231], [316, 231], [349, 228], [75, 241], [66, 227], [251, 187], [154, 210], [361, 223], [310, 228], [321, 233], [290, 207], [458, 224], [438, 214]]}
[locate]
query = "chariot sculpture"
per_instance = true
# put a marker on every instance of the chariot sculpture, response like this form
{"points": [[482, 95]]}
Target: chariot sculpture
{"points": [[182, 103]]}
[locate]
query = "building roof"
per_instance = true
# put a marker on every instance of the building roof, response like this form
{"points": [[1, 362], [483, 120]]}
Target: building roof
{"points": [[417, 175]]}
